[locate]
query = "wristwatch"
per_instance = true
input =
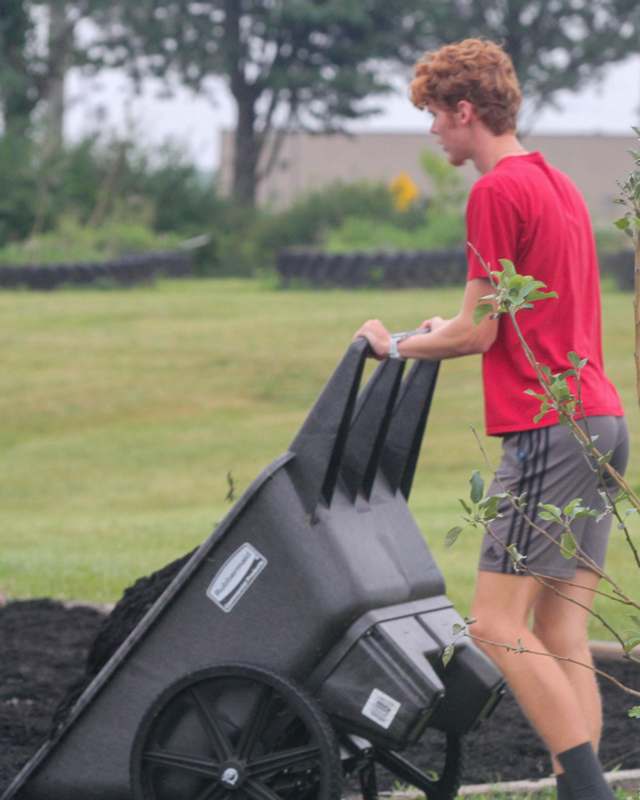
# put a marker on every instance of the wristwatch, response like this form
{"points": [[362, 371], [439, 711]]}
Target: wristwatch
{"points": [[396, 338], [393, 348]]}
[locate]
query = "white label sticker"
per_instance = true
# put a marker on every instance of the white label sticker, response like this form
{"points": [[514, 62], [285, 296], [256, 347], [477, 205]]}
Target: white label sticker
{"points": [[235, 576], [381, 708]]}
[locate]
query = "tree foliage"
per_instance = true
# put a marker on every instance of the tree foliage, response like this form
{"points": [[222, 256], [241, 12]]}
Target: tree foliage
{"points": [[554, 44], [300, 63], [294, 64], [37, 47], [311, 63]]}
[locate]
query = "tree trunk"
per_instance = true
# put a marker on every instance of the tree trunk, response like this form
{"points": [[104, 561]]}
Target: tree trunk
{"points": [[636, 307], [59, 47], [246, 154], [16, 92]]}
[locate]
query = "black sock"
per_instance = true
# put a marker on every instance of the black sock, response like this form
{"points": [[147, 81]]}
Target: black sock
{"points": [[583, 773], [562, 787]]}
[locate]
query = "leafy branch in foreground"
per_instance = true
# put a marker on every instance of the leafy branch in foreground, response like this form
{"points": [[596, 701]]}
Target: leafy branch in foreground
{"points": [[630, 223], [481, 510], [511, 294]]}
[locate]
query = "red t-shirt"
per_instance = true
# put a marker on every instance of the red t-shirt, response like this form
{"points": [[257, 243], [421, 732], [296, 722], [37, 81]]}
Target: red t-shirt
{"points": [[529, 212]]}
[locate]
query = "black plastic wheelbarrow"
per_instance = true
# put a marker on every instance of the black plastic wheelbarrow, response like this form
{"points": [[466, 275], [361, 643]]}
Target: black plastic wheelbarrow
{"points": [[301, 643]]}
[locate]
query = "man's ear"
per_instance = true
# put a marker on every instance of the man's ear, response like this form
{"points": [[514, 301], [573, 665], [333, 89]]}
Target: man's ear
{"points": [[465, 112]]}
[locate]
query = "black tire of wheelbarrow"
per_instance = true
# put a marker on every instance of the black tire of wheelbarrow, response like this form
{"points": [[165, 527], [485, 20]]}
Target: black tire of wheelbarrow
{"points": [[447, 785], [296, 698]]}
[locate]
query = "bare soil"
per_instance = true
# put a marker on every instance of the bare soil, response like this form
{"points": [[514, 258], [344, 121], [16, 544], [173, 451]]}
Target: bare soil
{"points": [[44, 648]]}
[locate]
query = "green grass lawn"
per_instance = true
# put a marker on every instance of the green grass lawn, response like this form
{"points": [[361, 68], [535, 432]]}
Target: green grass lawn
{"points": [[122, 412]]}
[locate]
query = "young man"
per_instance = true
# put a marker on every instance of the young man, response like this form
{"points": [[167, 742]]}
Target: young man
{"points": [[524, 210]]}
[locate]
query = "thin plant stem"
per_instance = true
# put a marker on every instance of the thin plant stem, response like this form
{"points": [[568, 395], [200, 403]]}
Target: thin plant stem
{"points": [[519, 650], [543, 580], [621, 596]]}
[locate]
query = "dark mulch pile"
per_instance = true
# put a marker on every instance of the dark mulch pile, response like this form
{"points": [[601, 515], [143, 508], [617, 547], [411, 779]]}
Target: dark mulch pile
{"points": [[44, 646]]}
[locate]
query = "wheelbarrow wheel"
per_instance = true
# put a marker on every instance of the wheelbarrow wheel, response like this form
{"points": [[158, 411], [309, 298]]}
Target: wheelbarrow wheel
{"points": [[235, 732], [443, 785]]}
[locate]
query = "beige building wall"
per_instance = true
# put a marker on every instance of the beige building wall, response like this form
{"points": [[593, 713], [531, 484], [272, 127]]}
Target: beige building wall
{"points": [[308, 162]]}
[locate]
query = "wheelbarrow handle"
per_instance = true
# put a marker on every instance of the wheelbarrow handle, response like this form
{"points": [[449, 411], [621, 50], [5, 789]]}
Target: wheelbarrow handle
{"points": [[402, 335]]}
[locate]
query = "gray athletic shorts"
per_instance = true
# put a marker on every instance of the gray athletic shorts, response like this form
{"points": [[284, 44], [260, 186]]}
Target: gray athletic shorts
{"points": [[551, 467]]}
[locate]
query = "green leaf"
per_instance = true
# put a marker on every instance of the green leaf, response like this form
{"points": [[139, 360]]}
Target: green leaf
{"points": [[577, 362], [549, 512], [568, 545], [481, 311], [623, 223], [465, 505], [634, 712], [515, 555], [508, 266], [452, 536], [631, 643], [521, 499], [477, 486], [537, 395], [570, 509], [489, 506], [447, 654], [542, 295], [605, 458]]}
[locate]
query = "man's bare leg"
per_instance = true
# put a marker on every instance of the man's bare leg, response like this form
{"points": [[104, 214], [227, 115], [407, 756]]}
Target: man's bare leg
{"points": [[502, 607], [561, 626]]}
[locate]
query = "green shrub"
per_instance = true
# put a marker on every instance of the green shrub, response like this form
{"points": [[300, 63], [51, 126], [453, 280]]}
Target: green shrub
{"points": [[438, 225], [72, 242], [96, 180], [443, 231], [309, 219], [245, 241], [19, 189]]}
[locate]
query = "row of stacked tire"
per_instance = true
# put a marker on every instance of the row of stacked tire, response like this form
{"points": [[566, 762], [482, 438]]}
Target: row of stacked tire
{"points": [[620, 265], [371, 268], [124, 271], [421, 268]]}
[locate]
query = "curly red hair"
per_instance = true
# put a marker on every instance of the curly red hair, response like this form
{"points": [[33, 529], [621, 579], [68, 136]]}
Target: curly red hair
{"points": [[475, 70]]}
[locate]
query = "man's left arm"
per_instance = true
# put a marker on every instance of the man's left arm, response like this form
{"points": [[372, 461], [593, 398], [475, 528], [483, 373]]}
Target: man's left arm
{"points": [[459, 336]]}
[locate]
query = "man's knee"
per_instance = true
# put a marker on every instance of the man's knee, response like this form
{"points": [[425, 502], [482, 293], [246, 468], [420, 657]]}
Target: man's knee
{"points": [[560, 637], [493, 627]]}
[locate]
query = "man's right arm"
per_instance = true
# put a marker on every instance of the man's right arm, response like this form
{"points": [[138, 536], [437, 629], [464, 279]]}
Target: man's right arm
{"points": [[458, 336]]}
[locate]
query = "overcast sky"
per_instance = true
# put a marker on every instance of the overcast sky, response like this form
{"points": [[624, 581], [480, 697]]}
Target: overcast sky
{"points": [[196, 121]]}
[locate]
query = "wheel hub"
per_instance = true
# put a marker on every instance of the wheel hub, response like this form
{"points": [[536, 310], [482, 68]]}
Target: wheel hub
{"points": [[231, 775]]}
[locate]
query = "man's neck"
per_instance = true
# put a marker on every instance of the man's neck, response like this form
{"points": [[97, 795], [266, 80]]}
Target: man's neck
{"points": [[491, 149]]}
